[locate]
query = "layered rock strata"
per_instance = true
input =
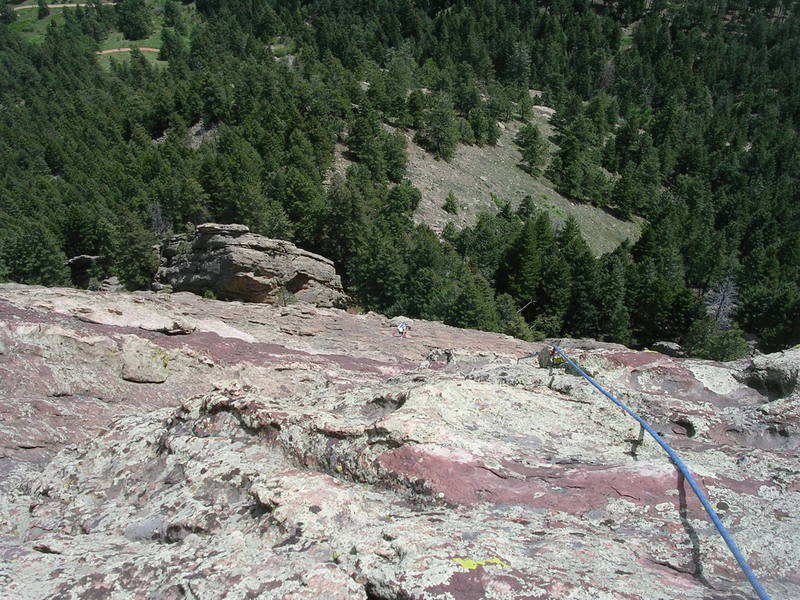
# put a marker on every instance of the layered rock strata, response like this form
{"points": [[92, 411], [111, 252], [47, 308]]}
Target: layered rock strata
{"points": [[235, 264], [303, 452]]}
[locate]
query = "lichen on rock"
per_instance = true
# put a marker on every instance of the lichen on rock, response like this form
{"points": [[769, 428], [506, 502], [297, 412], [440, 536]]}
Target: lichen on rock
{"points": [[346, 464], [235, 264]]}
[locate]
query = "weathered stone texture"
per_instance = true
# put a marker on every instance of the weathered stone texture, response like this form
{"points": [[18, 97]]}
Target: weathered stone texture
{"points": [[235, 264], [776, 375], [303, 452]]}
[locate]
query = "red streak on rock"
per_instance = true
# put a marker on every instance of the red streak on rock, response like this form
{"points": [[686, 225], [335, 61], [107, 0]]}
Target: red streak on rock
{"points": [[463, 585], [634, 359], [473, 584], [462, 479]]}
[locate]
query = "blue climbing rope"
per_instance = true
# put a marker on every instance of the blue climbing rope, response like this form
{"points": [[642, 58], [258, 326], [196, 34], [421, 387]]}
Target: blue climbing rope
{"points": [[751, 577]]}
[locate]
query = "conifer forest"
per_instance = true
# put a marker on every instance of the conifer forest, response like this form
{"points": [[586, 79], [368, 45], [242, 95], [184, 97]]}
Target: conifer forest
{"points": [[680, 115]]}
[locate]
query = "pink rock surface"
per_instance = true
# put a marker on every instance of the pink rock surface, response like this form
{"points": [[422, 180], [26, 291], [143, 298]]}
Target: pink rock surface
{"points": [[302, 452]]}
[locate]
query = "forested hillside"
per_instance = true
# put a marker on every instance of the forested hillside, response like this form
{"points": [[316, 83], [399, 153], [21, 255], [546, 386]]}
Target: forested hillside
{"points": [[683, 113]]}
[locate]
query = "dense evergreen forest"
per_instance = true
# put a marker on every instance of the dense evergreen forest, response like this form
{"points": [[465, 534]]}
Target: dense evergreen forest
{"points": [[684, 113]]}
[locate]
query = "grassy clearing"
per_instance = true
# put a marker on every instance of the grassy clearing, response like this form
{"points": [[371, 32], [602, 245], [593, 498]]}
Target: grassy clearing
{"points": [[283, 46], [34, 29], [104, 60], [477, 176], [116, 40]]}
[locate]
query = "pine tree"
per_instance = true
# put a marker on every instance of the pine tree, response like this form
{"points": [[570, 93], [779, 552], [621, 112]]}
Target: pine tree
{"points": [[43, 10], [172, 45], [182, 197], [500, 107], [136, 261], [402, 200], [474, 307], [433, 271], [614, 317], [450, 204], [567, 170], [303, 200], [581, 318], [344, 224], [553, 296], [237, 193], [481, 124], [510, 321], [366, 142], [533, 148], [301, 153], [440, 134], [173, 16], [416, 105], [32, 254], [379, 271], [523, 265], [625, 197], [466, 94], [134, 19], [394, 151], [486, 246], [525, 106]]}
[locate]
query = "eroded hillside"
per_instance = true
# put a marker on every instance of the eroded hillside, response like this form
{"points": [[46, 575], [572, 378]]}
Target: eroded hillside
{"points": [[479, 175]]}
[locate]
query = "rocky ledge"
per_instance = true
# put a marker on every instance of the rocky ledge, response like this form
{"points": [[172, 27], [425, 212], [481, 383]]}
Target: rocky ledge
{"points": [[167, 446], [235, 264]]}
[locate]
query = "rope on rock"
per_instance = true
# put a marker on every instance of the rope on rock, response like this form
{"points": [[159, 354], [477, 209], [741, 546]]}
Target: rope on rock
{"points": [[751, 577]]}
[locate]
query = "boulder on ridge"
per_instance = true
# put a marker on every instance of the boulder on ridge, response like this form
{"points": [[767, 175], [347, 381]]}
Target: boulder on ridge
{"points": [[670, 349], [235, 264], [777, 375]]}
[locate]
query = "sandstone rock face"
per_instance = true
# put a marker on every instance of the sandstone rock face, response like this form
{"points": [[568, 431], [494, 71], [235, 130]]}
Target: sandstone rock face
{"points": [[777, 375], [670, 349], [237, 265], [144, 362], [303, 452]]}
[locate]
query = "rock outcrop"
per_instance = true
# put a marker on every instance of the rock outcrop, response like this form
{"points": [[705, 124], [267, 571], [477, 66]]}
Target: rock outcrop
{"points": [[670, 349], [235, 264], [167, 446], [775, 375], [81, 268]]}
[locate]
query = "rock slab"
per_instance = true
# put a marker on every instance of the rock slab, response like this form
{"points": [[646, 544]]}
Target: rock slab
{"points": [[301, 452], [235, 264]]}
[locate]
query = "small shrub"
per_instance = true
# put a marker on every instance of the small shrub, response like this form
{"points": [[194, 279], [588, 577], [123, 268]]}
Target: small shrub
{"points": [[725, 346], [284, 297], [7, 14], [450, 233], [547, 325], [537, 336], [511, 322], [450, 204], [465, 133], [209, 295]]}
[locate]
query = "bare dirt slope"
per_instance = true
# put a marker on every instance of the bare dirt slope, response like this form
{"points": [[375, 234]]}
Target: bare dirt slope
{"points": [[476, 174]]}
